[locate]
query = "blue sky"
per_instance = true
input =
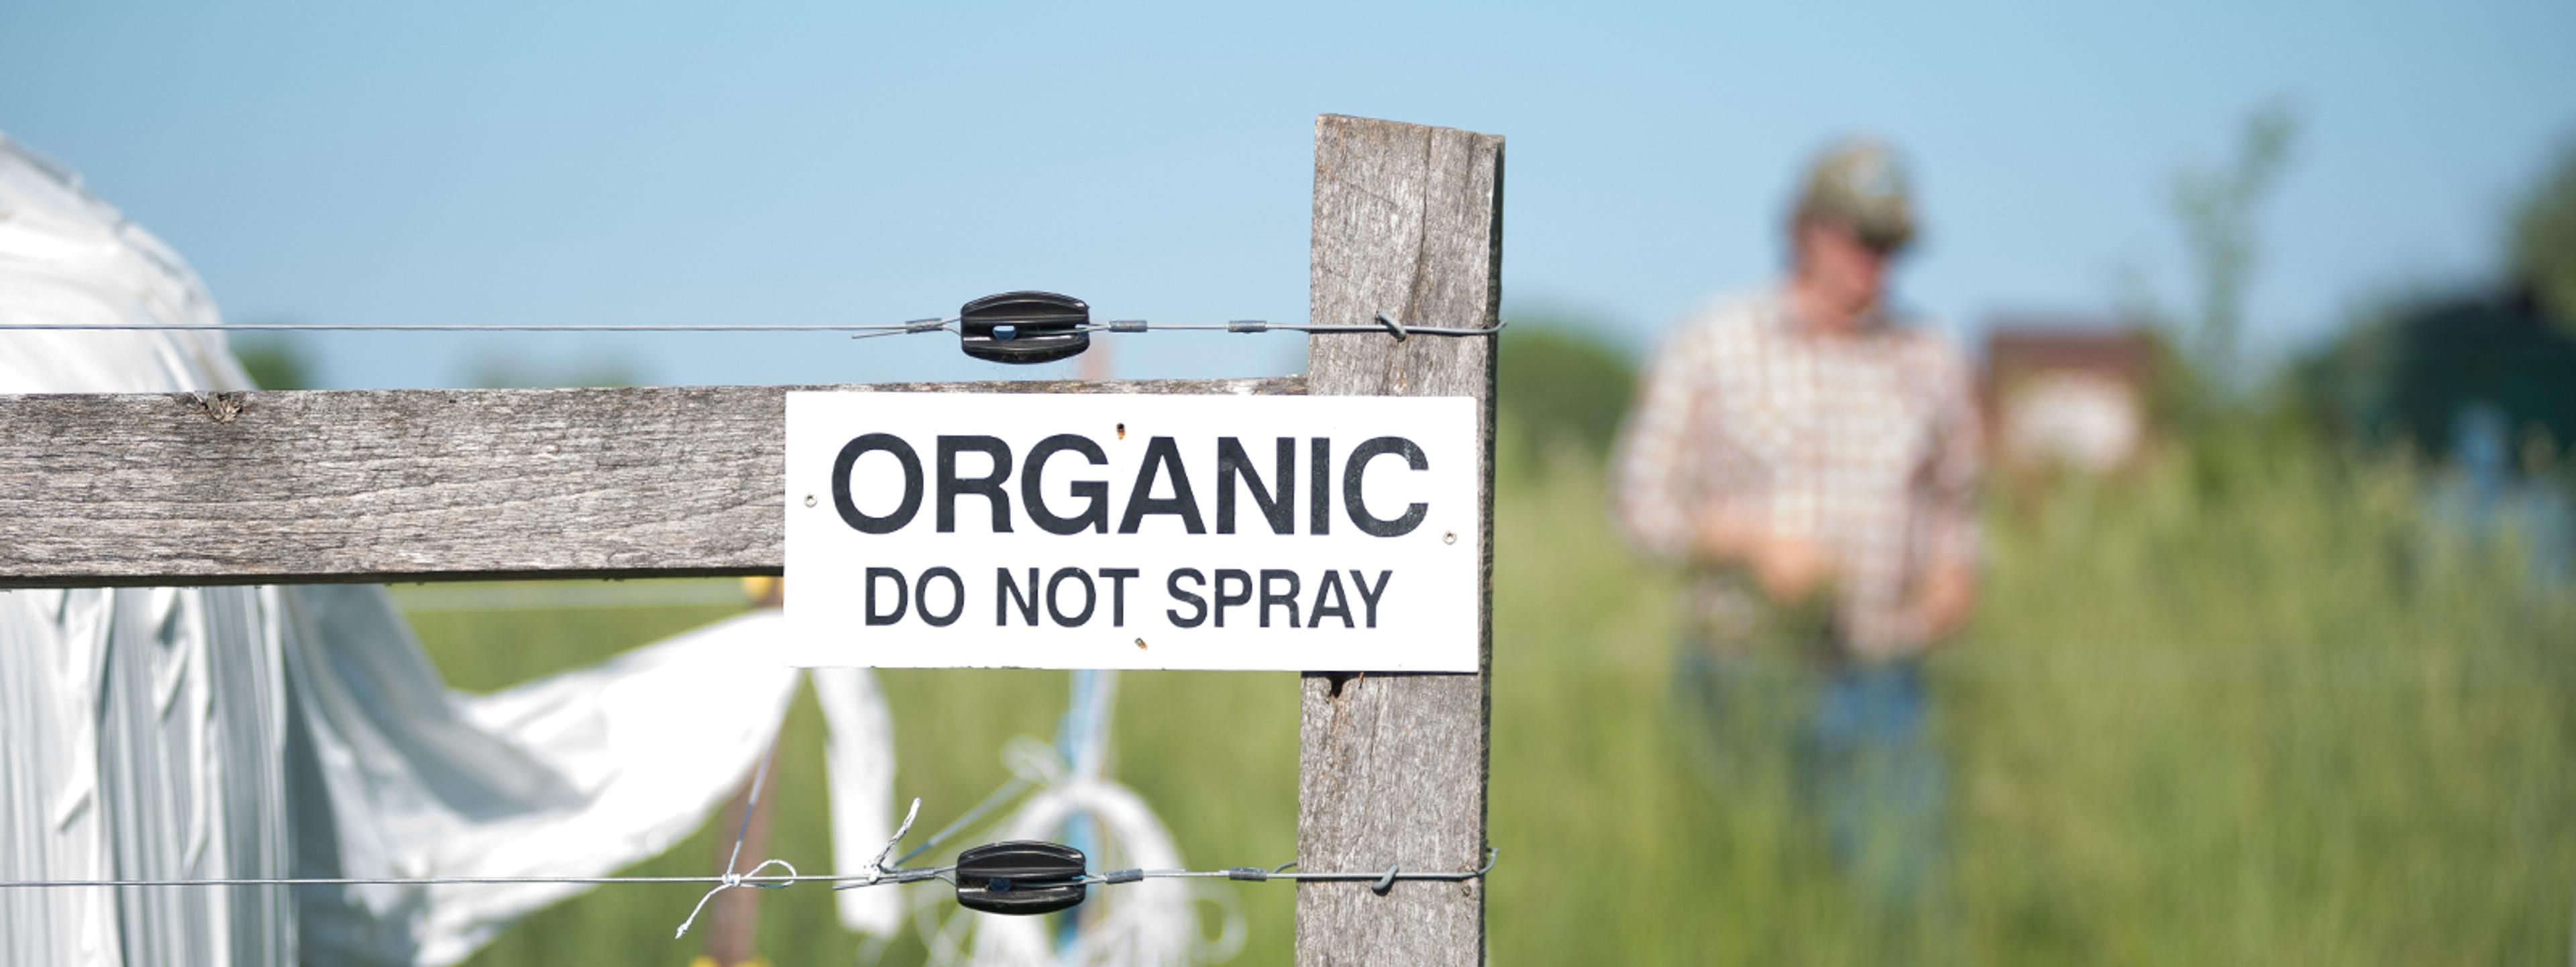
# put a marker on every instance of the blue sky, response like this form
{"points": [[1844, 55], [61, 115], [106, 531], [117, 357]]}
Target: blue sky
{"points": [[470, 163]]}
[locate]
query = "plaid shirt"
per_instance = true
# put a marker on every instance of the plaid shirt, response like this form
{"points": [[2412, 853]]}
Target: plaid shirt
{"points": [[1866, 443]]}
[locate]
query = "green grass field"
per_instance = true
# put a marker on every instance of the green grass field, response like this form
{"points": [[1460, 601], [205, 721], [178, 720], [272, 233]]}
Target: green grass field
{"points": [[2241, 708]]}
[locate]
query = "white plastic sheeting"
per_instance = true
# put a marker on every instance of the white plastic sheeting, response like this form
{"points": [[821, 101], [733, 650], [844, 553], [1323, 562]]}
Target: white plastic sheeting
{"points": [[266, 732]]}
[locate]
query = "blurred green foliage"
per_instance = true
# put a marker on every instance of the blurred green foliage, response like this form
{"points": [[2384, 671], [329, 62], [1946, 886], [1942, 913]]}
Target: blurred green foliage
{"points": [[2405, 373], [2408, 366], [2215, 208], [498, 371], [274, 361], [2282, 719], [1564, 386], [2543, 245]]}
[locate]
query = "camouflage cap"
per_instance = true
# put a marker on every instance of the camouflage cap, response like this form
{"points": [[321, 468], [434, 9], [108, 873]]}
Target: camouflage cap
{"points": [[1858, 183]]}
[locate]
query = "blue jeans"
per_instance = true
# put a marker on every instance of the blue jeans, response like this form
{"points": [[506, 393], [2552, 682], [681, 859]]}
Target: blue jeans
{"points": [[1862, 763]]}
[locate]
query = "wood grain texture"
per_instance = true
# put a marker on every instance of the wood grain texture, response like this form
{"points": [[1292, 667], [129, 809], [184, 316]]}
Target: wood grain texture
{"points": [[414, 485], [1408, 221]]}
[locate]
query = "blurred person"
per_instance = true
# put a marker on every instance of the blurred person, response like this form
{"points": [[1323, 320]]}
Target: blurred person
{"points": [[1812, 460]]}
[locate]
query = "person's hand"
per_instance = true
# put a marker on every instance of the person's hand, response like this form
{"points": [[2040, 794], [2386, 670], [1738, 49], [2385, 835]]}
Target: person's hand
{"points": [[1728, 537], [1945, 600], [1790, 567]]}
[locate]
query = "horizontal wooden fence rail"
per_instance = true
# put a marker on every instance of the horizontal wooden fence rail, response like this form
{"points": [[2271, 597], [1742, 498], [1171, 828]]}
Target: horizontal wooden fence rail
{"points": [[415, 485]]}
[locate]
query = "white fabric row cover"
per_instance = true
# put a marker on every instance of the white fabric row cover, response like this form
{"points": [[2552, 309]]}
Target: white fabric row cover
{"points": [[301, 731]]}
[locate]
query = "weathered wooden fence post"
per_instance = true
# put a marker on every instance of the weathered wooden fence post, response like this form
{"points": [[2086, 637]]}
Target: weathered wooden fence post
{"points": [[1409, 222]]}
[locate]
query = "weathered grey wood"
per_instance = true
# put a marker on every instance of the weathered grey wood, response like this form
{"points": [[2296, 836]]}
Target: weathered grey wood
{"points": [[1409, 221], [413, 485]]}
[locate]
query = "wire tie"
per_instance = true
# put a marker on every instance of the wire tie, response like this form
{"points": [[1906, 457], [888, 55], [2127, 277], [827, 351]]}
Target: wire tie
{"points": [[1386, 882], [1398, 329], [877, 870], [730, 881]]}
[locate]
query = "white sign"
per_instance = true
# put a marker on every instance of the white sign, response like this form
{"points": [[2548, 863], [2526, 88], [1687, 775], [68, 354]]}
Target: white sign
{"points": [[1298, 533]]}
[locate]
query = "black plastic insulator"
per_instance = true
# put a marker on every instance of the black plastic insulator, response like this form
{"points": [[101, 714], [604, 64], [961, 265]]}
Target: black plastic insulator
{"points": [[1024, 327], [1020, 878]]}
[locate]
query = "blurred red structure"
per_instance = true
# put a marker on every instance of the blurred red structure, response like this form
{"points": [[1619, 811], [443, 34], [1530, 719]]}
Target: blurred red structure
{"points": [[2066, 395]]}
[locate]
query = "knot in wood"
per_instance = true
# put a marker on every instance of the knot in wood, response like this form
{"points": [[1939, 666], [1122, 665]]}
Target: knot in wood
{"points": [[219, 407]]}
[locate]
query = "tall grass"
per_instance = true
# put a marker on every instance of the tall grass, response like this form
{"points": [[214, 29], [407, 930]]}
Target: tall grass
{"points": [[2245, 706]]}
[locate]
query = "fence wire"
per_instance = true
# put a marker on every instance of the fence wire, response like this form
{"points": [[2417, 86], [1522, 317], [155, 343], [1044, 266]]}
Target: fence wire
{"points": [[879, 873], [1383, 323]]}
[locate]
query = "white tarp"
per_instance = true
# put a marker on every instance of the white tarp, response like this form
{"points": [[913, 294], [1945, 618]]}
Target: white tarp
{"points": [[265, 732]]}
